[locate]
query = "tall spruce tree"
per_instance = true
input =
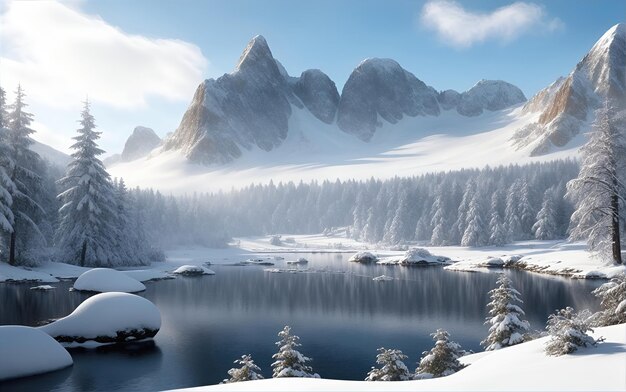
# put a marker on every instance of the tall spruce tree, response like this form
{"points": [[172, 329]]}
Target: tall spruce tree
{"points": [[599, 188], [24, 166], [87, 230], [546, 227], [6, 165]]}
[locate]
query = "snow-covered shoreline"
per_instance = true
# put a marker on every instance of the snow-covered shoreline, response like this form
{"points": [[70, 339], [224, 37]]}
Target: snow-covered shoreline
{"points": [[523, 367], [545, 257]]}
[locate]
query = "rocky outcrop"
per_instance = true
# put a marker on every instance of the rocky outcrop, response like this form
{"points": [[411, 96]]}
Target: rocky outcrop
{"points": [[318, 93], [489, 95]]}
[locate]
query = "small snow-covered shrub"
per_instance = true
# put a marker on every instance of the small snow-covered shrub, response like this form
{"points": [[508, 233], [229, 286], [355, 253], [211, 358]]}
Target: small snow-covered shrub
{"points": [[289, 361], [506, 318], [392, 367], [568, 332], [275, 240], [442, 360], [613, 301], [248, 371]]}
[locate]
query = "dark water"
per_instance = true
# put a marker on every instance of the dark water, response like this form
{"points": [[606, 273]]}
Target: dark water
{"points": [[342, 318]]}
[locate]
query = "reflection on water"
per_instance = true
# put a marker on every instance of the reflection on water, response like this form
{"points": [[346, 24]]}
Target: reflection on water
{"points": [[342, 317]]}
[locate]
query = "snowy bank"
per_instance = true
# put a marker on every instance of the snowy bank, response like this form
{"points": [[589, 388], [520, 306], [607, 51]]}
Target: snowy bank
{"points": [[27, 351], [104, 280], [523, 367], [107, 318]]}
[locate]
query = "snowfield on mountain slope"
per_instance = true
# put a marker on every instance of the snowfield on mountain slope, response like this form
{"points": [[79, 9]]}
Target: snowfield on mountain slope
{"points": [[314, 151], [524, 367]]}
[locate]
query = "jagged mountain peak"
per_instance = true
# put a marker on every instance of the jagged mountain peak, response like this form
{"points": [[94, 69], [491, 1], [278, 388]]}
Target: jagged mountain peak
{"points": [[256, 54], [567, 106]]}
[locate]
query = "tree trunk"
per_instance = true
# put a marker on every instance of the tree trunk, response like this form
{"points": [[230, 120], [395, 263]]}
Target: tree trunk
{"points": [[615, 229], [12, 248], [83, 254]]}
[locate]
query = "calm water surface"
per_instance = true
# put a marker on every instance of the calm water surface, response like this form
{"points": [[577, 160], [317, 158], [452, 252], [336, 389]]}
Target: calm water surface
{"points": [[341, 315]]}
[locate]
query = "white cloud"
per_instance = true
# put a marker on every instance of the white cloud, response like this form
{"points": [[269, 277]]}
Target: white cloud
{"points": [[462, 28], [60, 55]]}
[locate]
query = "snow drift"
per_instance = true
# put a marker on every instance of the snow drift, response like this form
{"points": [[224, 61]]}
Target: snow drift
{"points": [[105, 280]]}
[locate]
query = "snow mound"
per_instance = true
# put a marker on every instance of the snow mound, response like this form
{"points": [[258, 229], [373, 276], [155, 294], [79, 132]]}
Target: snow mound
{"points": [[107, 318], [193, 270], [364, 257], [416, 257], [382, 278], [105, 280], [27, 351]]}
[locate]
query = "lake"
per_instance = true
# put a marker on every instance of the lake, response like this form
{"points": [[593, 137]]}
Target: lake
{"points": [[340, 314]]}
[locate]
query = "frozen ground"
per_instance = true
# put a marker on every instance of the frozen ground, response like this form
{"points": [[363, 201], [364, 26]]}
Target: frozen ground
{"points": [[524, 367], [550, 257]]}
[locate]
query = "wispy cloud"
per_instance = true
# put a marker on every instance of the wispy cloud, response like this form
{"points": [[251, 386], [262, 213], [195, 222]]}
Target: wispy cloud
{"points": [[463, 28], [60, 54]]}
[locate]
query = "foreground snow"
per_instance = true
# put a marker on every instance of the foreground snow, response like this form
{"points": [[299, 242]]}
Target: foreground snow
{"points": [[523, 367], [107, 318], [104, 280], [27, 351]]}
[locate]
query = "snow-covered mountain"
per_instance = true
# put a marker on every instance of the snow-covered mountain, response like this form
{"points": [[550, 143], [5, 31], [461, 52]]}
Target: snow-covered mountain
{"points": [[305, 130], [138, 145], [252, 106], [566, 107], [51, 155]]}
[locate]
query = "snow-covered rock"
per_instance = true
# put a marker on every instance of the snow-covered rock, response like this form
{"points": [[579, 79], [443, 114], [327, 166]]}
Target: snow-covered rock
{"points": [[381, 88], [416, 257], [140, 143], [193, 270], [364, 257], [565, 108], [28, 351], [104, 280], [107, 318]]}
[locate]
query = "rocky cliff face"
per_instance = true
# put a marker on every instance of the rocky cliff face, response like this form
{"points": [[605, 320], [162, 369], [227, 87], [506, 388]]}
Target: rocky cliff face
{"points": [[381, 88], [250, 107], [139, 144], [566, 107]]}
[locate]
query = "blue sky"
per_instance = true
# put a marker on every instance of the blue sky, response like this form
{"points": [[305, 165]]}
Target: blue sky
{"points": [[168, 47]]}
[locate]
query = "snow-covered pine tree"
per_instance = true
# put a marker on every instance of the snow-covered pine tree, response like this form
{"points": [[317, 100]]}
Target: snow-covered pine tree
{"points": [[497, 231], [459, 226], [527, 213], [546, 226], [475, 229], [568, 331], [289, 362], [506, 318], [441, 216], [511, 213], [613, 301], [87, 233], [442, 360], [6, 185], [392, 367], [399, 230], [599, 187], [248, 371], [24, 173]]}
